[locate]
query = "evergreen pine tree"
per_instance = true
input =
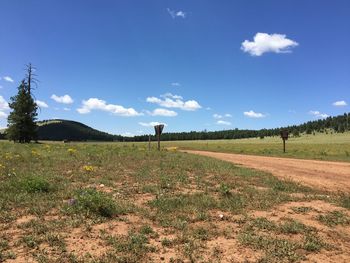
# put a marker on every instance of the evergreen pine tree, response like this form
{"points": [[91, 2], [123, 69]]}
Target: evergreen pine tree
{"points": [[21, 121]]}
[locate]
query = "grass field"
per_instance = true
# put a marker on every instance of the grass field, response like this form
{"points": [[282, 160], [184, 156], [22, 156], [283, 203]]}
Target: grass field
{"points": [[121, 203], [332, 147]]}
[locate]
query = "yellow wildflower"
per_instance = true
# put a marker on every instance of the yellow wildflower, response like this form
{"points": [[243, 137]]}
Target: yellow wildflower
{"points": [[88, 168], [71, 151]]}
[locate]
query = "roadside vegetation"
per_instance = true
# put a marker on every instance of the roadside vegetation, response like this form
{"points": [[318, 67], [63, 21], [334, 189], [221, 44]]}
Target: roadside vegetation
{"points": [[115, 202]]}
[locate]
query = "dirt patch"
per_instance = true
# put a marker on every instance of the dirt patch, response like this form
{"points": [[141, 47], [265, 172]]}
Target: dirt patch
{"points": [[336, 236], [80, 241], [329, 176]]}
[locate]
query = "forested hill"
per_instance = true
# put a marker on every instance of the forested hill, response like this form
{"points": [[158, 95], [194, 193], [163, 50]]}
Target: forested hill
{"points": [[58, 130], [339, 123]]}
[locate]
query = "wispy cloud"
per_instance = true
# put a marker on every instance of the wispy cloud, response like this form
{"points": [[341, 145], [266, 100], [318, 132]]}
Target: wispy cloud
{"points": [[151, 124], [169, 100], [3, 115], [65, 99], [340, 103], [162, 112], [66, 109], [3, 104], [253, 114], [174, 14], [98, 104], [8, 79], [3, 107], [175, 84], [263, 43], [41, 104], [217, 116], [222, 122], [318, 114]]}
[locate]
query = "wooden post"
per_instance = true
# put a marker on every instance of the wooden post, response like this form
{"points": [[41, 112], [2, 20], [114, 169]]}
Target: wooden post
{"points": [[149, 142], [158, 130], [158, 141], [284, 136]]}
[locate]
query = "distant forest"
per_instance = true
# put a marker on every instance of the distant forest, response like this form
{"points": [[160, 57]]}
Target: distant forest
{"points": [[59, 130], [336, 124]]}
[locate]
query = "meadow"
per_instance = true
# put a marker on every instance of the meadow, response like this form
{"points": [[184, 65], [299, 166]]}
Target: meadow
{"points": [[118, 202], [321, 146]]}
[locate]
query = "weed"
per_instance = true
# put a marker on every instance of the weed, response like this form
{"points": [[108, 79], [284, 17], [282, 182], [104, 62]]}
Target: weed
{"points": [[334, 218]]}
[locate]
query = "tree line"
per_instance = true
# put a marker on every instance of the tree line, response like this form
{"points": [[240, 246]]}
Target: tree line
{"points": [[338, 124]]}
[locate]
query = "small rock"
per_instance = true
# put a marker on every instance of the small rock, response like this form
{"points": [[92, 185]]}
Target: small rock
{"points": [[221, 216], [102, 185]]}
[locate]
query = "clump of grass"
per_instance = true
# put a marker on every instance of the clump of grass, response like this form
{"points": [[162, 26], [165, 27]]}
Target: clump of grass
{"points": [[92, 202], [334, 218], [166, 242], [276, 250], [201, 233], [224, 189], [302, 209], [345, 201], [313, 243], [293, 227], [34, 184], [134, 247]]}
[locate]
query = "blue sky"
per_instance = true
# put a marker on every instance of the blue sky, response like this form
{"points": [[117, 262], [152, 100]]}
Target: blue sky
{"points": [[193, 65]]}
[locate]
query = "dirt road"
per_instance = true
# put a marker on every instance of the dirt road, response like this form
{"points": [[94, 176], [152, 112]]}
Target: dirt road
{"points": [[330, 176]]}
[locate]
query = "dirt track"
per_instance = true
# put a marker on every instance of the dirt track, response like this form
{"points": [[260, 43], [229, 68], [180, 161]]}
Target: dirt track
{"points": [[330, 176]]}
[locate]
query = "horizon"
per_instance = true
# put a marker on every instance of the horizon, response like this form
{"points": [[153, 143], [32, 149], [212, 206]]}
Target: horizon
{"points": [[123, 67]]}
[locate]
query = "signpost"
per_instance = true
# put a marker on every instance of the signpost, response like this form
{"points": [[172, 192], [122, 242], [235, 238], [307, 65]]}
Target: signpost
{"points": [[284, 136], [158, 130]]}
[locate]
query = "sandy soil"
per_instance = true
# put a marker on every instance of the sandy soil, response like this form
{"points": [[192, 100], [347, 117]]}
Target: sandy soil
{"points": [[329, 176]]}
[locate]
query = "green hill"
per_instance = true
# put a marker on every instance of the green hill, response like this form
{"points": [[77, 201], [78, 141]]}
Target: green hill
{"points": [[58, 130]]}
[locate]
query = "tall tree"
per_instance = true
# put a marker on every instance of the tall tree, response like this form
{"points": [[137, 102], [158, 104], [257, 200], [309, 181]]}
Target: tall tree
{"points": [[21, 121]]}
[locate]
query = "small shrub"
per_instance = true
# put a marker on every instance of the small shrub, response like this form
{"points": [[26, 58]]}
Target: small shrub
{"points": [[33, 184], [90, 201]]}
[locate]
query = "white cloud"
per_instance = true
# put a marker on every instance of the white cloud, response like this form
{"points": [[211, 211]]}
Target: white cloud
{"points": [[151, 124], [252, 114], [3, 115], [65, 99], [66, 109], [163, 112], [221, 122], [8, 79], [263, 42], [340, 103], [41, 104], [174, 101], [175, 14], [3, 104], [318, 114], [217, 116], [97, 104], [228, 115], [127, 134], [175, 84]]}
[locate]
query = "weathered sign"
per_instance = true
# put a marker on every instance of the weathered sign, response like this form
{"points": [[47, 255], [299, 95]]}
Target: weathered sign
{"points": [[284, 136]]}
